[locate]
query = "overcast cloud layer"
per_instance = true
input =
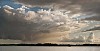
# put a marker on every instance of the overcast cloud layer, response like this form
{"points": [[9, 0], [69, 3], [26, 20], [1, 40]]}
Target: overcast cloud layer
{"points": [[91, 6]]}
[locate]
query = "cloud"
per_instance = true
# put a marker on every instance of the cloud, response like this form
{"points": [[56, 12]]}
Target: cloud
{"points": [[74, 5], [42, 2], [93, 29], [95, 18], [16, 22], [54, 4]]}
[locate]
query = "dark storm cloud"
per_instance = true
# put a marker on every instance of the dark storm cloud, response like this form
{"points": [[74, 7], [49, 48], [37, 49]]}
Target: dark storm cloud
{"points": [[91, 6], [62, 3], [56, 4], [93, 29], [14, 23], [74, 5], [42, 2], [95, 18]]}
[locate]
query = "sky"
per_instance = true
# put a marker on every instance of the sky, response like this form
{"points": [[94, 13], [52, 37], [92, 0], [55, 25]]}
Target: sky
{"points": [[24, 17], [19, 19]]}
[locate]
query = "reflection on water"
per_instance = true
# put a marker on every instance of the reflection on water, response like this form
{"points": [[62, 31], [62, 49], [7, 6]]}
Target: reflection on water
{"points": [[28, 48]]}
